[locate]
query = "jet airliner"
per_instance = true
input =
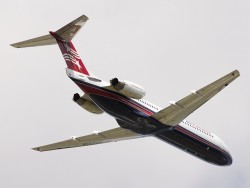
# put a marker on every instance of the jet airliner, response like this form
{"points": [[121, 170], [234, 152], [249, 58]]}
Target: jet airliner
{"points": [[124, 101]]}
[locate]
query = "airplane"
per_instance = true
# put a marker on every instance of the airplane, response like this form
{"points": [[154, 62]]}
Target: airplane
{"points": [[136, 117]]}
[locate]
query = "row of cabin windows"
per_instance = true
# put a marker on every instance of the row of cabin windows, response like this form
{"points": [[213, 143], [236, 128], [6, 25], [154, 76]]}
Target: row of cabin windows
{"points": [[148, 104]]}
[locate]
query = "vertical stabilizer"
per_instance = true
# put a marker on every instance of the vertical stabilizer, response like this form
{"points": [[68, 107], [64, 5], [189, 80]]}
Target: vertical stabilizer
{"points": [[70, 55]]}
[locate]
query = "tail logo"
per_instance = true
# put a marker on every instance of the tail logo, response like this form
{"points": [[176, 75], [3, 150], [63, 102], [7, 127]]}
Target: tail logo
{"points": [[72, 56]]}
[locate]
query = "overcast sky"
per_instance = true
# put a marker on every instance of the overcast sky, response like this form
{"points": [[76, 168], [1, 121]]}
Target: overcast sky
{"points": [[168, 46]]}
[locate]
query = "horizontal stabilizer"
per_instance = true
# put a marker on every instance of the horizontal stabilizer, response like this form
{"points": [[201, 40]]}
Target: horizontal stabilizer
{"points": [[39, 41], [66, 33]]}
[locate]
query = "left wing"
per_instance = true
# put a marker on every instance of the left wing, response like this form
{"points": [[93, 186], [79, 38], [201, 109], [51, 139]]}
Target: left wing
{"points": [[112, 135], [178, 111]]}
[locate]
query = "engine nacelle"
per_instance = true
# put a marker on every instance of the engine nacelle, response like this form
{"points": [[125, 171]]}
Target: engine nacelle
{"points": [[86, 104], [128, 88]]}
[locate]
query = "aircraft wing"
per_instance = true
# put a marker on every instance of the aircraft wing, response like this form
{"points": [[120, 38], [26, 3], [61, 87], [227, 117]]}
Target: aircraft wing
{"points": [[112, 135], [178, 111]]}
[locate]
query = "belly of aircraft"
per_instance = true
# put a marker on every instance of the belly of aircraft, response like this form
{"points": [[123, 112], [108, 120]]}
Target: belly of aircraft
{"points": [[196, 147], [127, 116]]}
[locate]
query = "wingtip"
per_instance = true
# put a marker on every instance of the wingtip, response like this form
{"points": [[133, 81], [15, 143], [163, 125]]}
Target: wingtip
{"points": [[14, 45], [236, 73], [36, 149], [84, 17]]}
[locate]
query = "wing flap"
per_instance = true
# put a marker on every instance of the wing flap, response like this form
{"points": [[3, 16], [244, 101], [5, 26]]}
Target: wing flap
{"points": [[112, 135], [178, 111]]}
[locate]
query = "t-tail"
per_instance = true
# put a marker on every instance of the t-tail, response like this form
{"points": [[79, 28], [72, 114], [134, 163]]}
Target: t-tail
{"points": [[63, 38]]}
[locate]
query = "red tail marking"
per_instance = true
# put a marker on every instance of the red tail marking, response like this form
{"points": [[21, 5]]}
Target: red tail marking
{"points": [[70, 55]]}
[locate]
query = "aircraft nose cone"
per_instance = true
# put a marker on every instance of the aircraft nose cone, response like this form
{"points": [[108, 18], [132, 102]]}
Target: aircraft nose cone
{"points": [[229, 159], [225, 153], [226, 158]]}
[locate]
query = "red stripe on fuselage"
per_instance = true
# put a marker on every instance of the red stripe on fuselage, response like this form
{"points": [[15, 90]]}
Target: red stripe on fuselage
{"points": [[98, 91]]}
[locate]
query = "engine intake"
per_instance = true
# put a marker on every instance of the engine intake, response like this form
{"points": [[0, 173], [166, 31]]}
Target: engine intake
{"points": [[114, 81], [87, 104], [76, 97]]}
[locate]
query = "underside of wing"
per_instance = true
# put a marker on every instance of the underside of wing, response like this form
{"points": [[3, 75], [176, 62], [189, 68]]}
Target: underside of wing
{"points": [[112, 135], [178, 111]]}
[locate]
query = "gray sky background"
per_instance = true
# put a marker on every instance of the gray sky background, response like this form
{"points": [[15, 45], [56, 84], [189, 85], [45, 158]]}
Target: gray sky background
{"points": [[169, 47]]}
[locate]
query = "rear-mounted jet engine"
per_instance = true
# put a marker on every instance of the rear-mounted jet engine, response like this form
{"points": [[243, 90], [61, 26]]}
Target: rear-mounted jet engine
{"points": [[86, 104], [128, 88]]}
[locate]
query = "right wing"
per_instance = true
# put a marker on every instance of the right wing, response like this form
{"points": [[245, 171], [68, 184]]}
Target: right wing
{"points": [[178, 111], [112, 135]]}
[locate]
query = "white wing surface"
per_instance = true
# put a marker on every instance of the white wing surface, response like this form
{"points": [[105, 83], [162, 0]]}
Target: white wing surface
{"points": [[112, 135], [178, 111]]}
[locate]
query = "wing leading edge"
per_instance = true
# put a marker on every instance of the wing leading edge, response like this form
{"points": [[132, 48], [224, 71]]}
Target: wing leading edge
{"points": [[178, 111], [112, 135]]}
